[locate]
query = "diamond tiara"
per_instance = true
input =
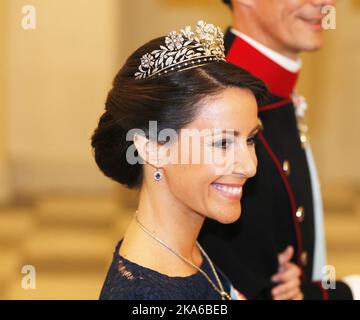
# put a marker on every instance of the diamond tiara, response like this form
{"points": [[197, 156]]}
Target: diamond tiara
{"points": [[184, 50]]}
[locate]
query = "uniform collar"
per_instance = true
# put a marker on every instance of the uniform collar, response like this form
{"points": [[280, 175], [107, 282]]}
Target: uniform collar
{"points": [[278, 72]]}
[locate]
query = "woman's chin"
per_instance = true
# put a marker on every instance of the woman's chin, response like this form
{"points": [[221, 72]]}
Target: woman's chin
{"points": [[227, 217]]}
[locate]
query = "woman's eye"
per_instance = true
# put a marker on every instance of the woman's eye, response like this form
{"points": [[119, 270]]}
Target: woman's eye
{"points": [[252, 140], [223, 143]]}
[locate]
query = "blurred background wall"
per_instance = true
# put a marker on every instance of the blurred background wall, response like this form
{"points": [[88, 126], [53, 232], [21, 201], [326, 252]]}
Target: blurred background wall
{"points": [[58, 212], [57, 77]]}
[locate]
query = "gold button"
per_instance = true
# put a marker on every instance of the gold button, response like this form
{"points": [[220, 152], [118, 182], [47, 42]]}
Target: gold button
{"points": [[304, 258], [286, 167], [304, 140], [300, 214]]}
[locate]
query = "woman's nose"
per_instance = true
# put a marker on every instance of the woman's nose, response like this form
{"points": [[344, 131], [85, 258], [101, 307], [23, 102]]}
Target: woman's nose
{"points": [[246, 164]]}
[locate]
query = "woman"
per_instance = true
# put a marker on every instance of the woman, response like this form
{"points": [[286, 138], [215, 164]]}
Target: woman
{"points": [[169, 88]]}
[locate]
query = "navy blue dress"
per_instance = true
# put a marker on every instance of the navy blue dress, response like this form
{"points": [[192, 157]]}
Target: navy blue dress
{"points": [[127, 280]]}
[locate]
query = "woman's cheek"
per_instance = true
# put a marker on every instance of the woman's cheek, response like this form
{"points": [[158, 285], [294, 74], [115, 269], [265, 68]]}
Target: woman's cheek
{"points": [[215, 159], [254, 157], [225, 162]]}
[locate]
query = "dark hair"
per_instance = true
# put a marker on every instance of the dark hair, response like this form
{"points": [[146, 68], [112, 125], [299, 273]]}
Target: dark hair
{"points": [[228, 2], [172, 100]]}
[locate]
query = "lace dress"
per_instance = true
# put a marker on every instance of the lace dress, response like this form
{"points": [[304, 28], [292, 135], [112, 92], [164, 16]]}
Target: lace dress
{"points": [[127, 280]]}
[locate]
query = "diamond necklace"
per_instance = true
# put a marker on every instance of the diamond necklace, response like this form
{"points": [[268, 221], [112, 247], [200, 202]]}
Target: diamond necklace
{"points": [[224, 295]]}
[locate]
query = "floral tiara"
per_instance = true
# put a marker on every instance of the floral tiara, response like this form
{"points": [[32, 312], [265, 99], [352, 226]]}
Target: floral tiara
{"points": [[184, 50]]}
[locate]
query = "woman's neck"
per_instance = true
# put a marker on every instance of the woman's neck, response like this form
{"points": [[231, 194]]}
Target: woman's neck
{"points": [[169, 220]]}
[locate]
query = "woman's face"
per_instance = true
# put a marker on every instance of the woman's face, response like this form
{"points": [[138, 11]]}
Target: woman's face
{"points": [[210, 172]]}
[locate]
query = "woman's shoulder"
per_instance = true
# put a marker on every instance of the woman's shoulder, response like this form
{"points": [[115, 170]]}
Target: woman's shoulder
{"points": [[136, 289], [127, 280]]}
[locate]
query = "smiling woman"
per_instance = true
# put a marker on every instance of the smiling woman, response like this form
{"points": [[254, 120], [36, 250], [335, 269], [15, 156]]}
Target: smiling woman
{"points": [[183, 83]]}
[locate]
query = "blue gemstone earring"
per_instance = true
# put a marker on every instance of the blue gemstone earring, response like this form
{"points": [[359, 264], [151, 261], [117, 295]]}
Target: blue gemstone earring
{"points": [[157, 175]]}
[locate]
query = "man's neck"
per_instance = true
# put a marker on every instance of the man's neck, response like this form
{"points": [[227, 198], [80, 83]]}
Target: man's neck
{"points": [[292, 65], [249, 27], [278, 72]]}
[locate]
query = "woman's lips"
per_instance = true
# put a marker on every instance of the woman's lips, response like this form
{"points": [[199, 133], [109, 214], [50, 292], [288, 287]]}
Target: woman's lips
{"points": [[230, 191]]}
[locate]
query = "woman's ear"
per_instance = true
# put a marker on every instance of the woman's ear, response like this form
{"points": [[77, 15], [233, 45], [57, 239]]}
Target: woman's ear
{"points": [[149, 150]]}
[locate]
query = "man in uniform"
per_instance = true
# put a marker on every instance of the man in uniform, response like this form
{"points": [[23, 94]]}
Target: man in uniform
{"points": [[282, 220]]}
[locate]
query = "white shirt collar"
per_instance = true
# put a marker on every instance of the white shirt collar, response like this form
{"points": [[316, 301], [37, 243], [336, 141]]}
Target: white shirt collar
{"points": [[285, 62]]}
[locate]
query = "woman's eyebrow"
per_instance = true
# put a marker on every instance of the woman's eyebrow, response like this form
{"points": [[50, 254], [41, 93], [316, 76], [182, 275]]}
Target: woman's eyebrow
{"points": [[237, 133], [255, 130], [259, 127]]}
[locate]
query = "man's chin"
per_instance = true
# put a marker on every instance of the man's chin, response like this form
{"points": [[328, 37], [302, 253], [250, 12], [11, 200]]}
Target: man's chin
{"points": [[314, 46], [310, 43]]}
